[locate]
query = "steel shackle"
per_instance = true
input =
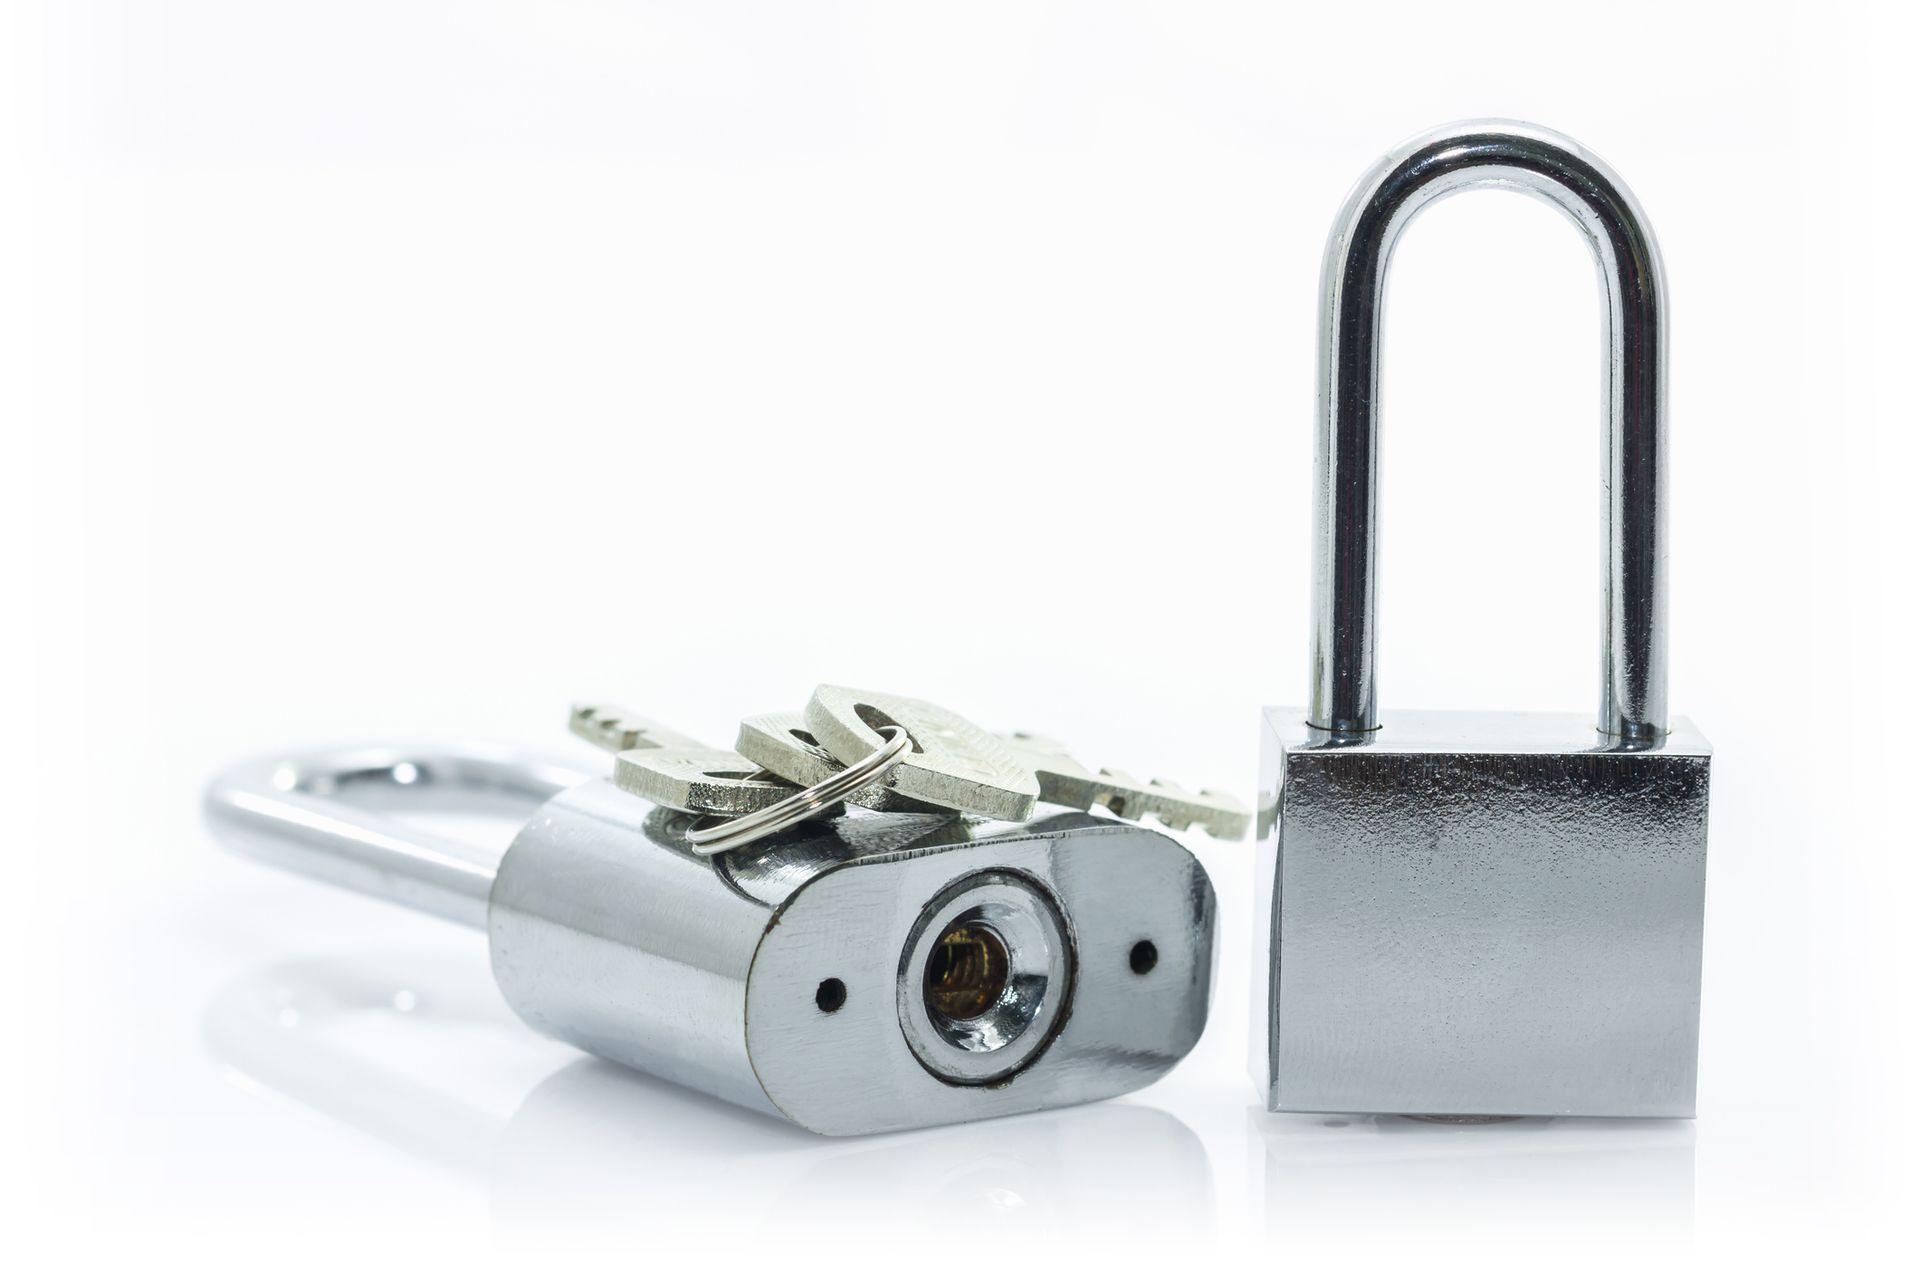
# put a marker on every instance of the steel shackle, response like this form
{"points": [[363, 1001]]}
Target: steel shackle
{"points": [[1633, 665], [326, 814]]}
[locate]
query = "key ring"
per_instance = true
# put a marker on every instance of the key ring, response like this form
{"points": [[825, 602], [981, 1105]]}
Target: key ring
{"points": [[781, 814]]}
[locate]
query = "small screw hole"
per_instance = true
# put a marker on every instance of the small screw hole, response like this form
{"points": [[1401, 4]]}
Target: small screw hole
{"points": [[830, 995], [1143, 957]]}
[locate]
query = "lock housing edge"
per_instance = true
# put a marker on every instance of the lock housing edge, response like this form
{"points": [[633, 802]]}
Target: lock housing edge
{"points": [[1471, 913]]}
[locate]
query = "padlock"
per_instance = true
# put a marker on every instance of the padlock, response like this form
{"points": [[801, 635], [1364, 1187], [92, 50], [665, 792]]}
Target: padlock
{"points": [[1467, 914], [870, 973]]}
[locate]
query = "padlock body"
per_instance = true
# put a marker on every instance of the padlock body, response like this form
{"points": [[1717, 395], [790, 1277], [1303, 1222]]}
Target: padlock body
{"points": [[1479, 914], [608, 932]]}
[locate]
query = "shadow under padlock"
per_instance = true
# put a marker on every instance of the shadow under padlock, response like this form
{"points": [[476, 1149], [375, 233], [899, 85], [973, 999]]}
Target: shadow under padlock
{"points": [[387, 1045]]}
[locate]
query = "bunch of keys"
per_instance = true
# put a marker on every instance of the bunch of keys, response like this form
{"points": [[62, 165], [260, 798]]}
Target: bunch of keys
{"points": [[877, 751]]}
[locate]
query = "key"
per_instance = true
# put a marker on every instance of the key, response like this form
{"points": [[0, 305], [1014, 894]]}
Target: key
{"points": [[1065, 781], [698, 780], [954, 764], [669, 768], [780, 743], [616, 729]]}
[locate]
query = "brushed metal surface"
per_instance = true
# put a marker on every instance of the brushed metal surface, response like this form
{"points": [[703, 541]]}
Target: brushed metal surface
{"points": [[1065, 781], [711, 836], [616, 729], [954, 763], [1479, 914], [699, 779], [781, 743]]}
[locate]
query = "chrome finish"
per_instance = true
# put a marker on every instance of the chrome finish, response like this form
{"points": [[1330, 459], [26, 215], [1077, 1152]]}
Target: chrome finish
{"points": [[321, 813], [1633, 661], [1018, 1021], [1114, 885], [708, 840], [630, 950], [607, 931], [1468, 914], [1475, 914]]}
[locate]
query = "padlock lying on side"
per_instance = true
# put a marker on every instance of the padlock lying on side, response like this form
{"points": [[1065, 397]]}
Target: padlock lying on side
{"points": [[874, 973], [1473, 914]]}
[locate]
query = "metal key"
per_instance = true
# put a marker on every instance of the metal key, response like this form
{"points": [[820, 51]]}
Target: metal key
{"points": [[954, 764], [669, 768], [1065, 781], [617, 729], [699, 780], [781, 743]]}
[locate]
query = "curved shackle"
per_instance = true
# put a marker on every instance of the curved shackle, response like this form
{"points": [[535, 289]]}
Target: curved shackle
{"points": [[1633, 662], [324, 814]]}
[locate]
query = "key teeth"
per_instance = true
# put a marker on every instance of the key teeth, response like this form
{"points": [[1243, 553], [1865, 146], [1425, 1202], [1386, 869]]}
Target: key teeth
{"points": [[1228, 825], [1139, 810], [615, 728], [598, 723]]}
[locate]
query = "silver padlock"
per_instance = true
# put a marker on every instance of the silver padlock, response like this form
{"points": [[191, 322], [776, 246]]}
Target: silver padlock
{"points": [[1466, 914], [879, 972]]}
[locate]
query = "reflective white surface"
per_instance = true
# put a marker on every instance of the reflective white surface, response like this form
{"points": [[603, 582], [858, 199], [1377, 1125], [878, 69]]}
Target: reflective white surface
{"points": [[352, 347]]}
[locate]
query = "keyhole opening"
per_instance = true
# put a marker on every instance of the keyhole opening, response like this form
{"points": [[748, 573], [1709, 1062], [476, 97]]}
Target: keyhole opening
{"points": [[966, 972]]}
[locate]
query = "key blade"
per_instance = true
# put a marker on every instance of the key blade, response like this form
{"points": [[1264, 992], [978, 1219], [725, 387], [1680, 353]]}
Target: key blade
{"points": [[614, 728], [1065, 781], [954, 764]]}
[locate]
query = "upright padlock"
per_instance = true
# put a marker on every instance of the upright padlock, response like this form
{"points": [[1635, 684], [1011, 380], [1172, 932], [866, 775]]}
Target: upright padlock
{"points": [[1483, 914]]}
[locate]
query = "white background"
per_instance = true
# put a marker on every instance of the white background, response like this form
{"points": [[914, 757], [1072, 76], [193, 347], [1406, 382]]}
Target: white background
{"points": [[412, 368]]}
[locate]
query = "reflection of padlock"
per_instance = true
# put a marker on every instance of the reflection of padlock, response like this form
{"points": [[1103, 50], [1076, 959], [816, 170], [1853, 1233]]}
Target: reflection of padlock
{"points": [[1479, 914]]}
